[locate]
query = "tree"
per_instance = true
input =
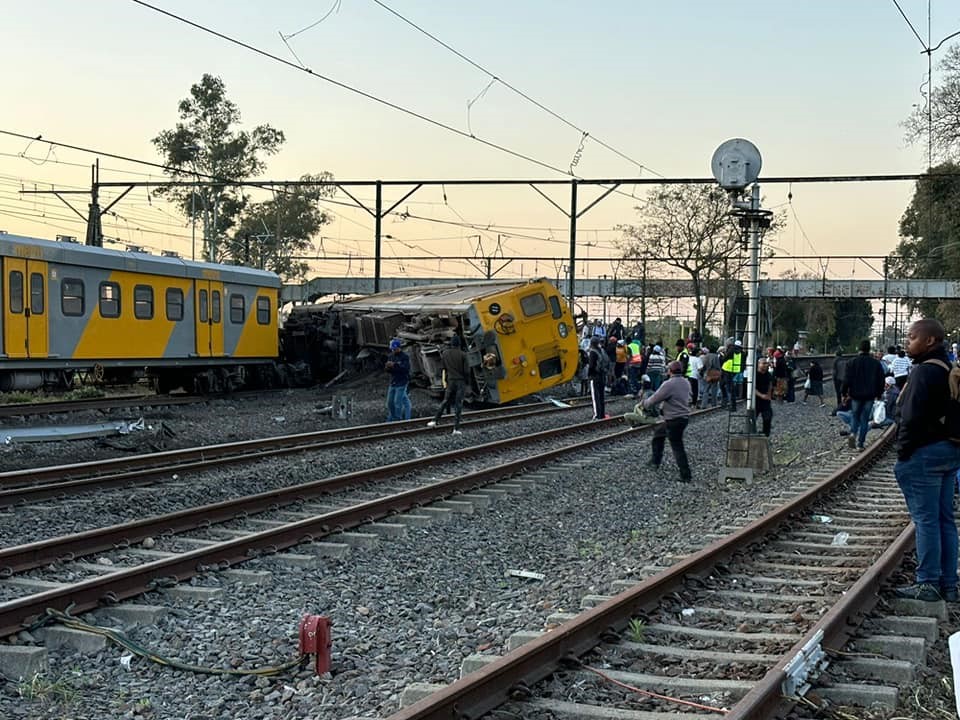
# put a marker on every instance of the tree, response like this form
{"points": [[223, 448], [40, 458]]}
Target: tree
{"points": [[930, 239], [941, 128], [205, 142], [275, 234], [687, 227]]}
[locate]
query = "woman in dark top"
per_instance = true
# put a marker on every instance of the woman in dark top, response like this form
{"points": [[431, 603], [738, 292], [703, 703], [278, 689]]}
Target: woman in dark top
{"points": [[815, 380]]}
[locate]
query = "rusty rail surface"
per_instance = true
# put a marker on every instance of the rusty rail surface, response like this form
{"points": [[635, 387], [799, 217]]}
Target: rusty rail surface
{"points": [[492, 685]]}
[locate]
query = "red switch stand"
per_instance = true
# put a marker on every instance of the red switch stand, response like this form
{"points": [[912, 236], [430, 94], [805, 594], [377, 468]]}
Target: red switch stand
{"points": [[315, 640]]}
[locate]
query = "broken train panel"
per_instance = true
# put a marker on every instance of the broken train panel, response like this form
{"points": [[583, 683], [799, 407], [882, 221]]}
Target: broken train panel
{"points": [[518, 335]]}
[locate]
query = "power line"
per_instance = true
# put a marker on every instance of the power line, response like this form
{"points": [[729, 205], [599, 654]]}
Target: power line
{"points": [[496, 78], [350, 88]]}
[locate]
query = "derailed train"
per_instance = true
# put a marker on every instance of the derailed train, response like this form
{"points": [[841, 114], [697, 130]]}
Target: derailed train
{"points": [[519, 336], [117, 316]]}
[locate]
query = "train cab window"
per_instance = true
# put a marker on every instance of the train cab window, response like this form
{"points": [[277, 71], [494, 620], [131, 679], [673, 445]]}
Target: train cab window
{"points": [[174, 302], [204, 307], [215, 306], [71, 297], [16, 291], [237, 309], [555, 308], [109, 299], [36, 294], [143, 302], [263, 310], [533, 304]]}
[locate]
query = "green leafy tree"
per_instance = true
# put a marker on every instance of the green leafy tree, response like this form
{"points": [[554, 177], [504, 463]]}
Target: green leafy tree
{"points": [[930, 239], [277, 233], [206, 142]]}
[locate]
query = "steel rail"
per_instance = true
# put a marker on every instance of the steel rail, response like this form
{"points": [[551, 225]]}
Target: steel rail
{"points": [[164, 461], [838, 625], [62, 406], [492, 685], [89, 594], [21, 558]]}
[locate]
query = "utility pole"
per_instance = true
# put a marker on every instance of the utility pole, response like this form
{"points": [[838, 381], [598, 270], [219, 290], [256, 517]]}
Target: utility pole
{"points": [[883, 323]]}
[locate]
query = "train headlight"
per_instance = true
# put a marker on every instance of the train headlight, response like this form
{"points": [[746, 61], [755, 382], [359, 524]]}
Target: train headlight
{"points": [[562, 329]]}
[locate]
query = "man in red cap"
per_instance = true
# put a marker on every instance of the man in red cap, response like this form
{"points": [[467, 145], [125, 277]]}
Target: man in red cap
{"points": [[675, 410]]}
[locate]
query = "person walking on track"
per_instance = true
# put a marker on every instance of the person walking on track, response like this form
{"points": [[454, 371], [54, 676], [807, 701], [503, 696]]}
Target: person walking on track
{"points": [[675, 396], [456, 370]]}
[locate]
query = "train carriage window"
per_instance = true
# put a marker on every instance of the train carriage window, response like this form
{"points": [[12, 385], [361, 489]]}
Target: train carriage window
{"points": [[204, 308], [109, 300], [143, 302], [215, 306], [555, 308], [263, 310], [174, 301], [36, 294], [533, 304], [237, 309], [16, 291], [71, 297]]}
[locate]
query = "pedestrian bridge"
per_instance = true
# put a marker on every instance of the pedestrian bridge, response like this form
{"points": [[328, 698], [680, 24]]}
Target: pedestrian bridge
{"points": [[652, 287]]}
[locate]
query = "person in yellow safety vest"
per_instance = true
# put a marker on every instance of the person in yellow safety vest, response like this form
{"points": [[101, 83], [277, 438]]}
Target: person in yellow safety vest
{"points": [[634, 363], [732, 367]]}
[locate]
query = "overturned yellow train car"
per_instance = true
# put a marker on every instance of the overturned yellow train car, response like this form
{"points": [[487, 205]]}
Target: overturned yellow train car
{"points": [[519, 336]]}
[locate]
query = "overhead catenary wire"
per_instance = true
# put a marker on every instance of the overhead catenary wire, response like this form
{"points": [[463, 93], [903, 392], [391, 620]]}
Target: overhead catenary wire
{"points": [[350, 88], [494, 77]]}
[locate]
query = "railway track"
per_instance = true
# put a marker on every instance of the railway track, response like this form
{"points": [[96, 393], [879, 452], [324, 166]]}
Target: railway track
{"points": [[304, 522], [737, 629], [120, 402], [36, 484]]}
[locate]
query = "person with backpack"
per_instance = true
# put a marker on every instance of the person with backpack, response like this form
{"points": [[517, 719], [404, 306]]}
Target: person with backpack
{"points": [[597, 364], [928, 457]]}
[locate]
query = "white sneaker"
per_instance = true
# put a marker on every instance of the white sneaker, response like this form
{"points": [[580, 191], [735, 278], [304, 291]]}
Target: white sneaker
{"points": [[432, 423], [457, 432]]}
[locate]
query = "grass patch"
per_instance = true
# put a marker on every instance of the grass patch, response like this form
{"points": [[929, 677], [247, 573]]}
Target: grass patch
{"points": [[637, 630], [47, 691]]}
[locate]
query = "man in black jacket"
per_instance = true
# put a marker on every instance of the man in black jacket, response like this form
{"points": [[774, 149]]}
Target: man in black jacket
{"points": [[457, 369], [927, 462], [598, 378], [863, 382]]}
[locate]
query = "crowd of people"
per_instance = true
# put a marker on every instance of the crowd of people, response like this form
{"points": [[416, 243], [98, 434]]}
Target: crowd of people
{"points": [[916, 387]]}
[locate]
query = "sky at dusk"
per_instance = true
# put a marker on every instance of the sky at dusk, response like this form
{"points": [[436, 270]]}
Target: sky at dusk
{"points": [[820, 86]]}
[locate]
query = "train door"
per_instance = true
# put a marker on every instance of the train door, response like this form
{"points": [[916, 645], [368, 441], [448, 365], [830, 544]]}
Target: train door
{"points": [[25, 308], [209, 318]]}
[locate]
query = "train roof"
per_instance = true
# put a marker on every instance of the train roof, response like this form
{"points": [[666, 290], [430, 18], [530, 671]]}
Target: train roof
{"points": [[69, 253], [452, 296]]}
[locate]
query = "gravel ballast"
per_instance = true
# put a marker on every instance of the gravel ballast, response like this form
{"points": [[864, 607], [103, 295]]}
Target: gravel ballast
{"points": [[410, 609]]}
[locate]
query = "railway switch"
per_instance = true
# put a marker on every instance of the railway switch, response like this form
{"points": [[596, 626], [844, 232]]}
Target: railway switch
{"points": [[315, 640]]}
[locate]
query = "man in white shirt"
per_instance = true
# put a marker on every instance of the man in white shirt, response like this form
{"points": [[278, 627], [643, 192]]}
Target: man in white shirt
{"points": [[888, 359], [900, 367]]}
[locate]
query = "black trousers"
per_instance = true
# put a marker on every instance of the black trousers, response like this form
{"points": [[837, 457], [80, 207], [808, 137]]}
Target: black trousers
{"points": [[766, 415], [694, 389], [672, 430], [599, 399], [837, 384], [453, 400]]}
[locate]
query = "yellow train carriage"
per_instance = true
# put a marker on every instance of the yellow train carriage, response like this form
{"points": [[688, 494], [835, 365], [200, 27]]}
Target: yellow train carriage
{"points": [[70, 308], [519, 335]]}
